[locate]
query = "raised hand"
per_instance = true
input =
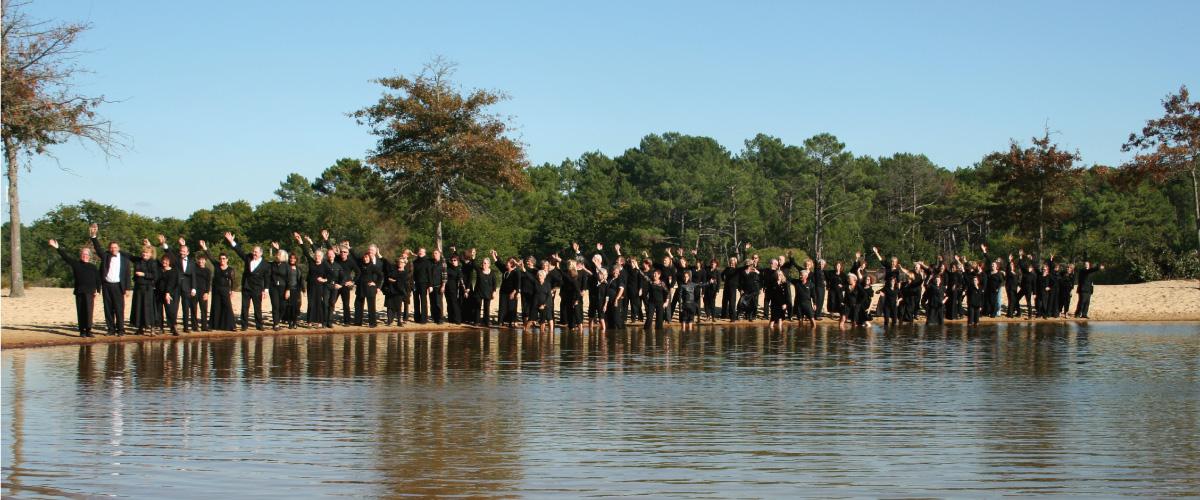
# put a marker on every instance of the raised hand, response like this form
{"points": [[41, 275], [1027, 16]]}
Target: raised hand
{"points": [[182, 241], [203, 245], [617, 247], [93, 230], [308, 239], [229, 237], [983, 247], [162, 240], [297, 237], [325, 234], [747, 245], [275, 245], [600, 246], [694, 251], [145, 242], [54, 243], [575, 246]]}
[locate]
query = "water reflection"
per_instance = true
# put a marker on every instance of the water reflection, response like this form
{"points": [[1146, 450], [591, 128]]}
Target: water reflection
{"points": [[1032, 409]]}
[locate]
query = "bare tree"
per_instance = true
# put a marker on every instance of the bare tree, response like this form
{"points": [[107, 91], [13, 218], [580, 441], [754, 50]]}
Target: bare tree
{"points": [[41, 107]]}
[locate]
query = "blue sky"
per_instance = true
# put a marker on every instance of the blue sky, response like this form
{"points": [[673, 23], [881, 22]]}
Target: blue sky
{"points": [[221, 100]]}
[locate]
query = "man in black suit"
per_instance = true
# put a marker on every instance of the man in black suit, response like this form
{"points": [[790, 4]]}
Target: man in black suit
{"points": [[377, 266], [349, 267], [186, 296], [87, 285], [254, 281], [1085, 289], [422, 268], [115, 283]]}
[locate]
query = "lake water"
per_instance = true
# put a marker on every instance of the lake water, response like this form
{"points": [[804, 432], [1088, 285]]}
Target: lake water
{"points": [[1080, 410]]}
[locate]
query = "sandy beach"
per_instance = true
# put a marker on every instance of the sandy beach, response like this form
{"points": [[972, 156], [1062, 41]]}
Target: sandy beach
{"points": [[46, 316]]}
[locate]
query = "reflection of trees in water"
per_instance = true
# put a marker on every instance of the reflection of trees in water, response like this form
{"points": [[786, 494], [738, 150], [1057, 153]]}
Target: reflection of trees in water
{"points": [[435, 437]]}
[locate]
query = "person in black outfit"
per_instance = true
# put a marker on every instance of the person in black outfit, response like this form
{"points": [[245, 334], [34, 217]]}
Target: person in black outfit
{"points": [[202, 279], [543, 292], [1086, 288], [729, 299], [656, 294], [422, 269], [975, 300], [1047, 284], [378, 265], [186, 300], [889, 301], [571, 296], [956, 286], [1012, 288], [221, 317], [510, 288], [292, 292], [937, 301], [835, 284], [255, 272], [277, 272], [437, 281], [115, 281], [166, 293], [144, 314], [1067, 280], [529, 284], [616, 292], [779, 297], [315, 279], [484, 291], [751, 288], [336, 280], [687, 299], [711, 276], [454, 289], [469, 304], [367, 283], [87, 284], [1029, 287], [397, 286], [819, 288], [850, 302]]}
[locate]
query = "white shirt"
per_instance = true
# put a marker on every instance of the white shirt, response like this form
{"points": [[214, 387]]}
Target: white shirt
{"points": [[114, 269], [254, 264], [183, 262]]}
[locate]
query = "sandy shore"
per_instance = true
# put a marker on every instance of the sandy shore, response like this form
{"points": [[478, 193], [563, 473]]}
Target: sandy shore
{"points": [[46, 316]]}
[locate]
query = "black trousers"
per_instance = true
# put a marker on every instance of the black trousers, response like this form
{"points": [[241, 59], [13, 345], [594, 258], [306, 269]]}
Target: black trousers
{"points": [[330, 302], [454, 299], [277, 305], [819, 301], [167, 313], [187, 305], [749, 305], [114, 307], [365, 295], [421, 303], [344, 294], [1085, 302], [973, 314], [251, 297], [654, 313], [470, 306], [202, 324], [291, 307], [527, 313], [1028, 296], [1014, 303], [435, 304], [954, 305], [635, 305], [710, 301], [84, 305], [484, 316], [934, 315], [729, 303]]}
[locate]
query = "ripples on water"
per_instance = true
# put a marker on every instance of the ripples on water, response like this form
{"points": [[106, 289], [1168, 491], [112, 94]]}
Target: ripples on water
{"points": [[1105, 409]]}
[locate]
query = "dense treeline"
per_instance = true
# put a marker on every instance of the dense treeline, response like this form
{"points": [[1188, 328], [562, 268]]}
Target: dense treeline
{"points": [[676, 190]]}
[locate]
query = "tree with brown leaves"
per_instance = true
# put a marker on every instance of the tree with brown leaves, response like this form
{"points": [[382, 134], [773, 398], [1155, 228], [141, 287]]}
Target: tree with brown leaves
{"points": [[436, 143], [1169, 147], [41, 108], [1037, 181]]}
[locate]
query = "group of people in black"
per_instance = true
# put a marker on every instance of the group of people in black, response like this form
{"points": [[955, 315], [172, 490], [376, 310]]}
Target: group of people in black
{"points": [[427, 286]]}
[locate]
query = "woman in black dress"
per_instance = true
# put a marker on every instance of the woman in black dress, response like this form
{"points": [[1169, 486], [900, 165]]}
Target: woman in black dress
{"points": [[975, 299], [485, 290], [317, 269], [221, 317], [143, 314], [602, 285], [849, 304], [888, 302], [937, 300], [293, 289], [656, 299], [165, 287], [529, 287], [510, 289], [865, 295]]}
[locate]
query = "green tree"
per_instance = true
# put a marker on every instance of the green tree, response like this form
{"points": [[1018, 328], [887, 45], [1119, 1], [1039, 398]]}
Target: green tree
{"points": [[434, 140]]}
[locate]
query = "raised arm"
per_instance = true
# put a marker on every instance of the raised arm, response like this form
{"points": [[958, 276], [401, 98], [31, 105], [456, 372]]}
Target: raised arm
{"points": [[237, 249]]}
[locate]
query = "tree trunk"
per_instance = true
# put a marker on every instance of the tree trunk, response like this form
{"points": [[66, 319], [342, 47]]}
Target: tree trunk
{"points": [[817, 221], [1195, 203], [438, 209], [1041, 223], [17, 287]]}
